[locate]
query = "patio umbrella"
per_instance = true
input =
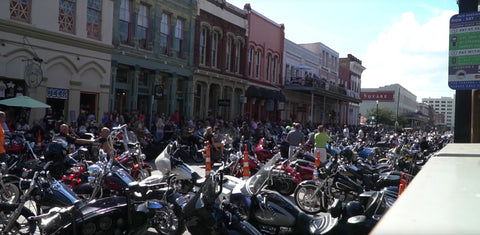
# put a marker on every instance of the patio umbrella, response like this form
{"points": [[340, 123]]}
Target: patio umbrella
{"points": [[24, 101]]}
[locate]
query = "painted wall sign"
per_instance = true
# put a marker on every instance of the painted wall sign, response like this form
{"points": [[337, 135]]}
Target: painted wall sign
{"points": [[383, 96]]}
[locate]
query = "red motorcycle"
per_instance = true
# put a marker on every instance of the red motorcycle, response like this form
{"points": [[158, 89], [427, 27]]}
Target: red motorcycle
{"points": [[298, 163]]}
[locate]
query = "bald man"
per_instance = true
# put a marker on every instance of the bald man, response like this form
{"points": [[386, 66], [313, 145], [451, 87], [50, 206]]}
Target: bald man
{"points": [[65, 134], [102, 140]]}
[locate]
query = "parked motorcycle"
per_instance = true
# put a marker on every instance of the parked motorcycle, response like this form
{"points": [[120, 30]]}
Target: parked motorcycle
{"points": [[204, 215]]}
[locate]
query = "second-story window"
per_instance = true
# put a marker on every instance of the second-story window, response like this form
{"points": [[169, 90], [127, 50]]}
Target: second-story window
{"points": [[250, 61], [269, 67], [214, 51], [238, 46], [66, 16], [229, 53], [203, 46], [257, 64], [143, 26], [125, 23], [165, 33], [21, 10], [274, 69], [179, 37], [94, 19]]}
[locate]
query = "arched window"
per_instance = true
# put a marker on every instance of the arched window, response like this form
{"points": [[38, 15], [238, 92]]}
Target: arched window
{"points": [[269, 67], [250, 61], [203, 46], [214, 51], [238, 46], [228, 51], [257, 63]]}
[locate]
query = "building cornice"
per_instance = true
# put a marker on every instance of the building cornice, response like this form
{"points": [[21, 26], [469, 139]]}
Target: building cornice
{"points": [[33, 32]]}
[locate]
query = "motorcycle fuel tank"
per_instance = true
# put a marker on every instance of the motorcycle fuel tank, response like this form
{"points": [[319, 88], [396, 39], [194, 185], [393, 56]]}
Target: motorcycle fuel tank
{"points": [[277, 211]]}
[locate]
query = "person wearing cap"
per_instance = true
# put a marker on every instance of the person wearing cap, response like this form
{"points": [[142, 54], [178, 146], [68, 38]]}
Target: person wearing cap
{"points": [[2, 137], [321, 140]]}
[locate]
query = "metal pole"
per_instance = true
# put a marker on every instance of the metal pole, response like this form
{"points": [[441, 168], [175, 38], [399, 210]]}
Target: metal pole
{"points": [[463, 98], [311, 108], [398, 104], [376, 123]]}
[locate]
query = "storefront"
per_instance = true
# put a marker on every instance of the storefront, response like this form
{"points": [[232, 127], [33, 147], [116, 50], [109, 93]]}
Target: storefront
{"points": [[264, 104]]}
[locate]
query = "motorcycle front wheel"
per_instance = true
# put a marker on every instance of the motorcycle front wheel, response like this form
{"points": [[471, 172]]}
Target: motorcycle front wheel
{"points": [[10, 192], [307, 200], [22, 224], [168, 220]]}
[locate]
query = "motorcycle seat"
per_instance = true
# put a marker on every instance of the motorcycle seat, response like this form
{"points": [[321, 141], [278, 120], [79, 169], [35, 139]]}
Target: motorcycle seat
{"points": [[302, 162], [197, 179]]}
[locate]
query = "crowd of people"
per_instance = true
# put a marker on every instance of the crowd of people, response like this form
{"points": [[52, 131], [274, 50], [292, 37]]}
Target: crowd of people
{"points": [[164, 128]]}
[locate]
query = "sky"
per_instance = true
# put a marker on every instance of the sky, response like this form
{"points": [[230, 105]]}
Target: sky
{"points": [[398, 41]]}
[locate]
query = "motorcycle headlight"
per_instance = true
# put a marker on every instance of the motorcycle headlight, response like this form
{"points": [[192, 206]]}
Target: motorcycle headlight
{"points": [[94, 170]]}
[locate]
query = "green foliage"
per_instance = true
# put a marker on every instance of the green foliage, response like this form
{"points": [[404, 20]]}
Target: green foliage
{"points": [[385, 116]]}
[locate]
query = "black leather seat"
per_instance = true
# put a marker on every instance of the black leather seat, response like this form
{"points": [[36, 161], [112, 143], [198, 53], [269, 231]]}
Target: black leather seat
{"points": [[197, 179]]}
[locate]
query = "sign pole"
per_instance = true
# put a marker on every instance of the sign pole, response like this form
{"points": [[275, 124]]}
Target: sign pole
{"points": [[463, 98]]}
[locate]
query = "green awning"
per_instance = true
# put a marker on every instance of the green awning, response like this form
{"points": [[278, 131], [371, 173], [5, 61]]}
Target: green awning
{"points": [[24, 101]]}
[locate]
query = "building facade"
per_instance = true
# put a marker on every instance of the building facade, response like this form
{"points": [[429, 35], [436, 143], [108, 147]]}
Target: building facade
{"points": [[152, 64], [58, 52], [220, 56], [301, 68], [445, 106], [393, 97], [350, 74], [263, 69], [312, 84]]}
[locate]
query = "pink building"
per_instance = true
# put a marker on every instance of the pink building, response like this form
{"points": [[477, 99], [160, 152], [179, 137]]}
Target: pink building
{"points": [[265, 100]]}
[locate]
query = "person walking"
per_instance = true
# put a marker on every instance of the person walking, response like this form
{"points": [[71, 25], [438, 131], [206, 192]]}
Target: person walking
{"points": [[295, 138], [321, 140]]}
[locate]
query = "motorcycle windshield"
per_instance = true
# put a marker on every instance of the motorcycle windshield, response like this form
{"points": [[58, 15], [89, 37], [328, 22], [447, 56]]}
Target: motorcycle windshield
{"points": [[257, 182], [132, 138]]}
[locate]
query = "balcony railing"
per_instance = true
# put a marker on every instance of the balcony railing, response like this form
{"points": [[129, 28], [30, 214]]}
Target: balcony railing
{"points": [[319, 84]]}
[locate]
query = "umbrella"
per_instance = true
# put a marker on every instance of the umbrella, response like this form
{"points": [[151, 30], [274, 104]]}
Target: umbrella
{"points": [[24, 101]]}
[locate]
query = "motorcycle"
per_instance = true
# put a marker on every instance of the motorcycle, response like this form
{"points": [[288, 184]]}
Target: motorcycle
{"points": [[203, 215], [272, 213], [45, 191], [132, 157], [128, 214]]}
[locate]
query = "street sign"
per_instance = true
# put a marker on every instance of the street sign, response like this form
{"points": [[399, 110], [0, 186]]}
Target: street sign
{"points": [[224, 103], [464, 51]]}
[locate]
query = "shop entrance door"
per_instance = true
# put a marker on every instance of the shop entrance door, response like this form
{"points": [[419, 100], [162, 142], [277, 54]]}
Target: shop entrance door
{"points": [[58, 108], [88, 103]]}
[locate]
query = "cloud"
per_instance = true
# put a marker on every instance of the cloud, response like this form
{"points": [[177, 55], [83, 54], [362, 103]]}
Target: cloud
{"points": [[413, 54]]}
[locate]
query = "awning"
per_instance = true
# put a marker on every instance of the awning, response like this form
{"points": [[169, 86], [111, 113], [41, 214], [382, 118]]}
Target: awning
{"points": [[263, 93]]}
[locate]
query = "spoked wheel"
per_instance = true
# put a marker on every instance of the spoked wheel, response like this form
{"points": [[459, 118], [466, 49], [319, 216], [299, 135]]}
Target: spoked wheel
{"points": [[10, 192], [22, 225], [168, 220], [309, 201]]}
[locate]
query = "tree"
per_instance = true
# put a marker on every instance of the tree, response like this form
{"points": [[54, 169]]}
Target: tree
{"points": [[385, 116]]}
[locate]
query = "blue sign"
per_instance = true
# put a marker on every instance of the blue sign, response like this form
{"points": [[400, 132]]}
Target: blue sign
{"points": [[56, 93], [464, 51]]}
